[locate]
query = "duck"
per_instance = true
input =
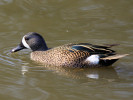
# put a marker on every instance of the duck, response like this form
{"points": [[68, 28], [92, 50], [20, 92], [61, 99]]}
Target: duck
{"points": [[68, 55]]}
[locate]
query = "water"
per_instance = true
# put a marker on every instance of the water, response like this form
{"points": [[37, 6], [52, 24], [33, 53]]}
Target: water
{"points": [[60, 22]]}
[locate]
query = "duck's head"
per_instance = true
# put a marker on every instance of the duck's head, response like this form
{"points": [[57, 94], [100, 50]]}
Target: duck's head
{"points": [[33, 41]]}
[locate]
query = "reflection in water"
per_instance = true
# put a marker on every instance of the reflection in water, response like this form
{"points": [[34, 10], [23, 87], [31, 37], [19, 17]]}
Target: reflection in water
{"points": [[93, 76], [107, 73], [24, 69]]}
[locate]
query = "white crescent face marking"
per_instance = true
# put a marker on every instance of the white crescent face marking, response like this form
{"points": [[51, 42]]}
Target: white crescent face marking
{"points": [[25, 43]]}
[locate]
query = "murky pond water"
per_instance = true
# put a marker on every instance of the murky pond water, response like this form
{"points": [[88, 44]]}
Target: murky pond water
{"points": [[60, 22]]}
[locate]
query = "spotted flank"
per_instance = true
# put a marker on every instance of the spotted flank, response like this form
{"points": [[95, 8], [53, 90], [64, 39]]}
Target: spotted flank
{"points": [[68, 55]]}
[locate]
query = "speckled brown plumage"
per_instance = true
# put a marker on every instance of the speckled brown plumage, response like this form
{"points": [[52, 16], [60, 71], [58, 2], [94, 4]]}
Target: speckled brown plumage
{"points": [[61, 56]]}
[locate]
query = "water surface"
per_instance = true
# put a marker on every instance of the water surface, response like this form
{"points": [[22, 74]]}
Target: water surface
{"points": [[60, 22]]}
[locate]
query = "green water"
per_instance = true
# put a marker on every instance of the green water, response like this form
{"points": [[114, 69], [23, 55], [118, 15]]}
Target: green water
{"points": [[61, 22]]}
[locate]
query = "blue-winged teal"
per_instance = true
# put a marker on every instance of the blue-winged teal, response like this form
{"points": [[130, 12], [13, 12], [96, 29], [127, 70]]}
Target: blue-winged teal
{"points": [[71, 55]]}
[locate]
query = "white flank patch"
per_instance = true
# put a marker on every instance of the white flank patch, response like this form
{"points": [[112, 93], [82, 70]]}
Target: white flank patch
{"points": [[25, 44], [93, 59]]}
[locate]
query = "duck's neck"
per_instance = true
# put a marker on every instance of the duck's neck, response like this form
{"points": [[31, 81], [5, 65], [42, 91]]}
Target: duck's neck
{"points": [[40, 47], [43, 48]]}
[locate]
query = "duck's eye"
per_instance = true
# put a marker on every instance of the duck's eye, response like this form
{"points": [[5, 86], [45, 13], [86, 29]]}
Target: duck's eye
{"points": [[27, 38]]}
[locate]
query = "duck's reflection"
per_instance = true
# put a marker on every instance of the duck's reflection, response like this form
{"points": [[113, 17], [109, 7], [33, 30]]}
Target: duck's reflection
{"points": [[108, 73]]}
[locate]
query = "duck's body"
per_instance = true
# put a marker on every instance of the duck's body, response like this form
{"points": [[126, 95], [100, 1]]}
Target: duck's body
{"points": [[69, 55], [61, 56]]}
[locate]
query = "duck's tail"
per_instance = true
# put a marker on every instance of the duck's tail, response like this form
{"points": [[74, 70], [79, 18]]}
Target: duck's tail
{"points": [[107, 61], [96, 60], [117, 56]]}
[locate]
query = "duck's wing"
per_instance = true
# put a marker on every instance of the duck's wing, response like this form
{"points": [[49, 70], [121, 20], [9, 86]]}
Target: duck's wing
{"points": [[99, 46], [93, 49]]}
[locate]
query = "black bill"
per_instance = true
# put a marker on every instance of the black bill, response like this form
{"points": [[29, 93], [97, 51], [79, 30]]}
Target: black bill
{"points": [[18, 48]]}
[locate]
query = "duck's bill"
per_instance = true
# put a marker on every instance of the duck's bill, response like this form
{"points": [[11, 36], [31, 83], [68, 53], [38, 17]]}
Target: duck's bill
{"points": [[18, 48]]}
